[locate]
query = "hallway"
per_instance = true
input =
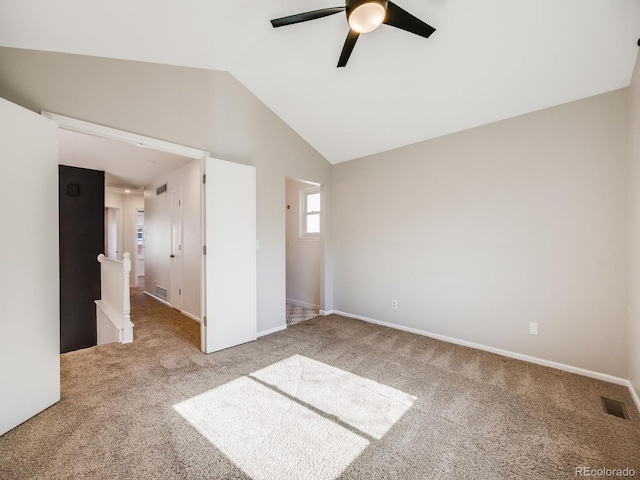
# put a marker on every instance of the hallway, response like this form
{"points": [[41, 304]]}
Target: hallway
{"points": [[157, 324]]}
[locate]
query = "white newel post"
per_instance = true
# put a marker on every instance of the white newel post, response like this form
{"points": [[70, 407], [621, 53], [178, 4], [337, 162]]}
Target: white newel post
{"points": [[127, 333]]}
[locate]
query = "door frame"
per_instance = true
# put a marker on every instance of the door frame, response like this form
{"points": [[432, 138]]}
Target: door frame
{"points": [[80, 126]]}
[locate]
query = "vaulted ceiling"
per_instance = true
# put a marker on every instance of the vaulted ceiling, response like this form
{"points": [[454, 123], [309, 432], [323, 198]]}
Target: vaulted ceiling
{"points": [[487, 60]]}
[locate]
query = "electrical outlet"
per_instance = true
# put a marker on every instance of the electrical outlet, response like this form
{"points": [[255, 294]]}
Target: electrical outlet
{"points": [[533, 328], [394, 304]]}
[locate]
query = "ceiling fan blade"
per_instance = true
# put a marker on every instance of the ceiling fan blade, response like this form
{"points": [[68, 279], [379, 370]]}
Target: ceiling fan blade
{"points": [[349, 43], [306, 16], [399, 18]]}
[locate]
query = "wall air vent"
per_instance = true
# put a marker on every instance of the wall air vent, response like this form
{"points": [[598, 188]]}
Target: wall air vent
{"points": [[614, 408], [161, 292], [161, 189]]}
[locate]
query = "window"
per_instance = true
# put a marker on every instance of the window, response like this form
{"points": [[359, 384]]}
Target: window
{"points": [[310, 213]]}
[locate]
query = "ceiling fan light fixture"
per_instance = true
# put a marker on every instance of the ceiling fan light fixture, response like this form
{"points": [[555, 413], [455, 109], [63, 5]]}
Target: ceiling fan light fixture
{"points": [[363, 16], [367, 17]]}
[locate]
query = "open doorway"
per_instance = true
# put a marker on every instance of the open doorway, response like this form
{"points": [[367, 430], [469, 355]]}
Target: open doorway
{"points": [[111, 231], [218, 206], [137, 212], [139, 262], [304, 250]]}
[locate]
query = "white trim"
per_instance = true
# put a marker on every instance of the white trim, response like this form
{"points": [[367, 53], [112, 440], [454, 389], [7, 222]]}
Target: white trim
{"points": [[111, 314], [272, 330], [300, 303], [505, 353], [325, 313], [634, 394], [158, 298], [75, 125], [190, 315]]}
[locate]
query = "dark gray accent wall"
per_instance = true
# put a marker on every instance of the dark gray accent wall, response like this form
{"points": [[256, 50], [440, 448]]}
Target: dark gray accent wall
{"points": [[81, 194]]}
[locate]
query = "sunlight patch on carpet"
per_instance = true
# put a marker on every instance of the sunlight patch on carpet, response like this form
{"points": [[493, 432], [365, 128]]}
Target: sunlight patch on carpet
{"points": [[271, 435], [366, 405]]}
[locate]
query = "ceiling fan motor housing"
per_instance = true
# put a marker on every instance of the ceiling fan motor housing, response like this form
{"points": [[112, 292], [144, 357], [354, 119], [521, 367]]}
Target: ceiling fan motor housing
{"points": [[353, 4]]}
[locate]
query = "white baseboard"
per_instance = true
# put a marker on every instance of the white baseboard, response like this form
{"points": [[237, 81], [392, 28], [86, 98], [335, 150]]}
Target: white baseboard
{"points": [[272, 330], [505, 353], [329, 312], [161, 300], [303, 304], [634, 394], [190, 315]]}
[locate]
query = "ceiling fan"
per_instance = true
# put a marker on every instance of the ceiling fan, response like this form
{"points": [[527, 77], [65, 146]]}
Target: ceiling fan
{"points": [[363, 16]]}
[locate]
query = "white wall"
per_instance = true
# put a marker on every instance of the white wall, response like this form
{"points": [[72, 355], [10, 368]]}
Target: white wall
{"points": [[304, 257], [204, 109], [634, 229], [157, 209], [477, 234]]}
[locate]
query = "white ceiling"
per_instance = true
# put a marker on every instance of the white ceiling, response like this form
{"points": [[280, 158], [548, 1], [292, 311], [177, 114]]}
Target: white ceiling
{"points": [[487, 60], [128, 166]]}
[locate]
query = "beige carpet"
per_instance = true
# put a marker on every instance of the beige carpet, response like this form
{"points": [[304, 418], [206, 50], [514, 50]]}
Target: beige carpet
{"points": [[128, 411]]}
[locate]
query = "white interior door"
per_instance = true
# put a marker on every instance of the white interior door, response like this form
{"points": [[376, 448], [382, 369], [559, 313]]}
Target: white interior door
{"points": [[29, 277], [230, 260], [176, 249]]}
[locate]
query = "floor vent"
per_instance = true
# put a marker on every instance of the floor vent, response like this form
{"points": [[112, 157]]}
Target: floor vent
{"points": [[614, 408], [161, 292]]}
